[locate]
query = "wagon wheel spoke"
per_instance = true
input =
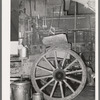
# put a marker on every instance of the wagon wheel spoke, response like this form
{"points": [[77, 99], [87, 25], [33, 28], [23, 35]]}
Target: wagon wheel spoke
{"points": [[45, 69], [43, 77], [53, 89], [72, 79], [61, 89], [55, 56], [47, 84], [70, 65], [64, 59], [48, 62], [69, 86], [72, 72]]}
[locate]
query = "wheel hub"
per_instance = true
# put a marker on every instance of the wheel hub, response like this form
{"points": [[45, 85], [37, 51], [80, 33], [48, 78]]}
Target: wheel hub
{"points": [[59, 74]]}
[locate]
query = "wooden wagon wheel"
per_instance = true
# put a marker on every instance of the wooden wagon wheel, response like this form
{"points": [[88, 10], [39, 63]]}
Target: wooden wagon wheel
{"points": [[64, 74]]}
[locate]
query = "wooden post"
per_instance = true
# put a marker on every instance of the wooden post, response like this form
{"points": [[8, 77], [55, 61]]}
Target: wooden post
{"points": [[75, 22]]}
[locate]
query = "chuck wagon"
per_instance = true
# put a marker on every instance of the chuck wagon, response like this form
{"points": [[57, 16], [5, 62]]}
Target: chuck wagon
{"points": [[58, 71]]}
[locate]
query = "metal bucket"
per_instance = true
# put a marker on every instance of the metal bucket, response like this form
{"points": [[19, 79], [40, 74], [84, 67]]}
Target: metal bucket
{"points": [[37, 96], [21, 90]]}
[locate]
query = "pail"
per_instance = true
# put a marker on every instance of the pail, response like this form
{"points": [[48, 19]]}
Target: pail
{"points": [[21, 90], [37, 96]]}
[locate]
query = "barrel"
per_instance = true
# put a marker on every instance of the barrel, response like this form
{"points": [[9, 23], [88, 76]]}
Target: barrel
{"points": [[21, 90], [37, 96]]}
